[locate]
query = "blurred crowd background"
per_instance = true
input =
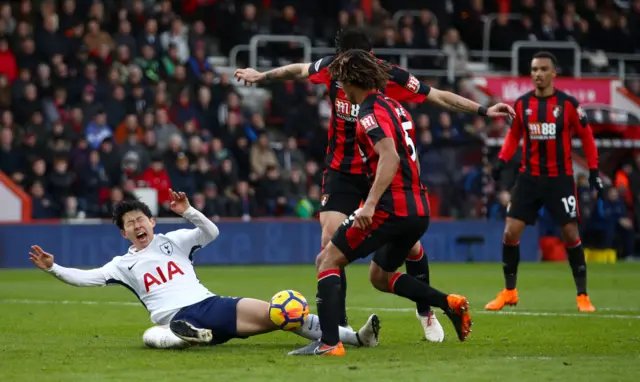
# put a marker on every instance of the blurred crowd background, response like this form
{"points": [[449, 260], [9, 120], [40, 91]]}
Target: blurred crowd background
{"points": [[98, 98]]}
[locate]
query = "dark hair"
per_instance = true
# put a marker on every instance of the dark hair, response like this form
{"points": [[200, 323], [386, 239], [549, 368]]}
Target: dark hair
{"points": [[352, 38], [127, 206], [549, 55], [360, 68]]}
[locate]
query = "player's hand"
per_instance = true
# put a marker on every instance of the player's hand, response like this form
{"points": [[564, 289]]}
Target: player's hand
{"points": [[496, 170], [596, 182], [250, 76], [501, 110], [40, 258], [179, 202], [364, 216]]}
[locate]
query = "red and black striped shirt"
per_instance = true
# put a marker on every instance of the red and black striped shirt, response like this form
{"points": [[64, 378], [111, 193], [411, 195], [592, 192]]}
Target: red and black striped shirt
{"points": [[342, 150], [382, 117], [548, 124]]}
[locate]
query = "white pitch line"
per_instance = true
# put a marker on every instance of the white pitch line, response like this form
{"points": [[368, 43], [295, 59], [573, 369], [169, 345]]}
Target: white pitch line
{"points": [[506, 313]]}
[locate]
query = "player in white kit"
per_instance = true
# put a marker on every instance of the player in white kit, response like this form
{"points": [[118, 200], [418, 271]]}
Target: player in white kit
{"points": [[158, 269]]}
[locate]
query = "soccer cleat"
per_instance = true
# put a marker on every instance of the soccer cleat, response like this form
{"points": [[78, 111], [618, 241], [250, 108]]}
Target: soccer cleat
{"points": [[318, 348], [505, 297], [584, 304], [190, 333], [458, 313], [433, 331], [368, 335]]}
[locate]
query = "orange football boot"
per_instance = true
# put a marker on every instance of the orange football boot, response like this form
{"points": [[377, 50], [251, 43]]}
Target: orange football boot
{"points": [[459, 315], [584, 304], [318, 348], [505, 297]]}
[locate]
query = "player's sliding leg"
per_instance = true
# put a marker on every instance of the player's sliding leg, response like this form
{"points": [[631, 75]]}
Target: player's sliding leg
{"points": [[575, 253], [510, 260], [330, 221], [161, 337], [253, 319], [454, 306], [417, 265]]}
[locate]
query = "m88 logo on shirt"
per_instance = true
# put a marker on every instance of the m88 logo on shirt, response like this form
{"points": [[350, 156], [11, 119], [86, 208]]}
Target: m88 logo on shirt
{"points": [[346, 110], [542, 131]]}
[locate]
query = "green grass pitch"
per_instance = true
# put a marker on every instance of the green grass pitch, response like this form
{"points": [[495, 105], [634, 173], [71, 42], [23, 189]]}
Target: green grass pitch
{"points": [[50, 331]]}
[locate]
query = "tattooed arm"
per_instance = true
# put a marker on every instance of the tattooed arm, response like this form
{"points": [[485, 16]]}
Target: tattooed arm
{"points": [[283, 73], [454, 102], [288, 72]]}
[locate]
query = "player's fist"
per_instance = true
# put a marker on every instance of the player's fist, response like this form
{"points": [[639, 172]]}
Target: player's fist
{"points": [[40, 258], [364, 216], [501, 110], [179, 202], [596, 182], [249, 76]]}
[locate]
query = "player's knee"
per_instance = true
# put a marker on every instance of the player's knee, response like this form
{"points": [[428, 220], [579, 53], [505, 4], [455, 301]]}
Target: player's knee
{"points": [[512, 233], [379, 278], [570, 233], [329, 258], [327, 233]]}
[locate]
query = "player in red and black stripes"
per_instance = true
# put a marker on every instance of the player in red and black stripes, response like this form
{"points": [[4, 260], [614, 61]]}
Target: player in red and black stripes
{"points": [[546, 118], [345, 184], [394, 216]]}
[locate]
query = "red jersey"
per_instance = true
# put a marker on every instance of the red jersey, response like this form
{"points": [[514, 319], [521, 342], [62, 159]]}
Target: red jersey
{"points": [[382, 117], [342, 150], [548, 125]]}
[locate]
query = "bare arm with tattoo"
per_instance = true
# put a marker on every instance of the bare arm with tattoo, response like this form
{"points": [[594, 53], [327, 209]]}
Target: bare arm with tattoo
{"points": [[453, 102], [283, 73]]}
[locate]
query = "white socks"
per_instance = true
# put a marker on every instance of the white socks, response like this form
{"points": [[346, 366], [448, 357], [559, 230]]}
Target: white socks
{"points": [[311, 331], [161, 337]]}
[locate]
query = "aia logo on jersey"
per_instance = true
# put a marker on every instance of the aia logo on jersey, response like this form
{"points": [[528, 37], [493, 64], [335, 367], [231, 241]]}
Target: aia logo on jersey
{"points": [[413, 85], [160, 277], [557, 111], [166, 248], [368, 122], [346, 110], [542, 131]]}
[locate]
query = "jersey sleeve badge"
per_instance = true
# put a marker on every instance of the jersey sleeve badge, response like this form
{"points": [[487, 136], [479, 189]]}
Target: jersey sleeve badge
{"points": [[368, 122], [413, 85], [582, 116]]}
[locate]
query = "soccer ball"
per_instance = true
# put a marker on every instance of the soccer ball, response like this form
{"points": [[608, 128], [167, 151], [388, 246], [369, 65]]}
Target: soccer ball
{"points": [[288, 309]]}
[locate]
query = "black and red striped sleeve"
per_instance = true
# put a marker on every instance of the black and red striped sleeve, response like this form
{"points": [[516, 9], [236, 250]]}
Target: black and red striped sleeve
{"points": [[405, 87], [580, 126], [318, 73], [512, 140], [377, 125]]}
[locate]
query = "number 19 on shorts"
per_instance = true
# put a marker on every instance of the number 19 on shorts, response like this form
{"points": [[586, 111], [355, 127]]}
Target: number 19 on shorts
{"points": [[570, 205]]}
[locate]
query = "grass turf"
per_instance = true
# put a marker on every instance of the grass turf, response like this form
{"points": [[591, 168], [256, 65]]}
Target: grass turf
{"points": [[50, 331]]}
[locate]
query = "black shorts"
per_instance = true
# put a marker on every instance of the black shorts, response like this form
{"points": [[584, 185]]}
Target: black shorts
{"points": [[390, 236], [558, 195], [343, 192]]}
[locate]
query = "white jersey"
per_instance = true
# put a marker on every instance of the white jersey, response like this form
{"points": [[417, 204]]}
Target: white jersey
{"points": [[161, 275]]}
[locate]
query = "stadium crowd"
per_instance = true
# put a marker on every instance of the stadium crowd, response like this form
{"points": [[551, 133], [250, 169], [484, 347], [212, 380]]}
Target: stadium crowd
{"points": [[98, 98]]}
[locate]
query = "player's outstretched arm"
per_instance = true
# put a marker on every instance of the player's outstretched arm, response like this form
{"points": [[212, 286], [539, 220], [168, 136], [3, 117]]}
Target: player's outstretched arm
{"points": [[456, 103], [204, 233], [71, 276], [288, 72]]}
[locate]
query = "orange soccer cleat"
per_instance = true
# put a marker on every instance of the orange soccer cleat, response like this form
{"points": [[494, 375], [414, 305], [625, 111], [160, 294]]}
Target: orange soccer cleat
{"points": [[318, 348], [584, 304], [459, 315], [505, 297]]}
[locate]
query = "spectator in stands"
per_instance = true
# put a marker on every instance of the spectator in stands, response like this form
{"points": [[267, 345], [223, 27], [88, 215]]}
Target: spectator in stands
{"points": [[262, 156], [610, 220]]}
